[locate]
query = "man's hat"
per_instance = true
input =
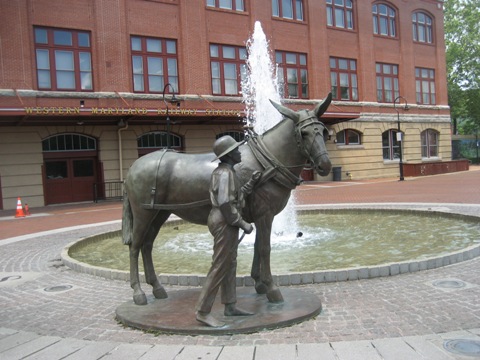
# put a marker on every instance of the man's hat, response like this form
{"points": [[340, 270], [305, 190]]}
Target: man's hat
{"points": [[222, 146]]}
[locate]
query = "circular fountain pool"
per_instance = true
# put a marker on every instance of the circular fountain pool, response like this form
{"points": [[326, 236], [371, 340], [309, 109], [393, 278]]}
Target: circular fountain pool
{"points": [[331, 240]]}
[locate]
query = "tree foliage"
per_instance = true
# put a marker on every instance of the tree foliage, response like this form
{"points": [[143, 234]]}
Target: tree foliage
{"points": [[462, 39]]}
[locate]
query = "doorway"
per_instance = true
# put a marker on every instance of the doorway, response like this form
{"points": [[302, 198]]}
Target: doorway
{"points": [[70, 168]]}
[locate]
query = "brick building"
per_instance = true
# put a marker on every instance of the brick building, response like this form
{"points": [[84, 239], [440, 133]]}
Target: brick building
{"points": [[85, 84]]}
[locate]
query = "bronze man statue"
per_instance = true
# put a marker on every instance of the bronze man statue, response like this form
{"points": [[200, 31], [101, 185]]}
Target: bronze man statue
{"points": [[224, 221]]}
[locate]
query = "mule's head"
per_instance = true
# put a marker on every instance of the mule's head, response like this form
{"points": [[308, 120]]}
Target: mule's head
{"points": [[311, 134]]}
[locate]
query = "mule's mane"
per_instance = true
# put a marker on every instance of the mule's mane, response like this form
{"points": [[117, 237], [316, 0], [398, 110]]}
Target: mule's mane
{"points": [[277, 125]]}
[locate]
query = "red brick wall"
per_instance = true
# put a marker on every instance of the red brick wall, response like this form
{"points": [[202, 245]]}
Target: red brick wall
{"points": [[195, 26]]}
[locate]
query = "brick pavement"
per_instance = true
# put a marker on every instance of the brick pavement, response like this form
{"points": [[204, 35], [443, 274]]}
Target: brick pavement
{"points": [[460, 188], [379, 318]]}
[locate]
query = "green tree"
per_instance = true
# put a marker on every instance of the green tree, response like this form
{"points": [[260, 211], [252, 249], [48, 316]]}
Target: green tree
{"points": [[462, 39]]}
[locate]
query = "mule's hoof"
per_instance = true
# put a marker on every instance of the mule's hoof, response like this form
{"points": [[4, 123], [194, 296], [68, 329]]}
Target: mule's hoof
{"points": [[140, 299], [160, 293], [275, 296], [261, 288]]}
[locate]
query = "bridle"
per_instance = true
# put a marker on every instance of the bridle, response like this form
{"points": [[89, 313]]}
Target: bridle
{"points": [[279, 172], [318, 128]]}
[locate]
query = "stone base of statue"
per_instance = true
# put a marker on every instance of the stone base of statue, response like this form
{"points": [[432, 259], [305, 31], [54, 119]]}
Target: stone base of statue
{"points": [[176, 314]]}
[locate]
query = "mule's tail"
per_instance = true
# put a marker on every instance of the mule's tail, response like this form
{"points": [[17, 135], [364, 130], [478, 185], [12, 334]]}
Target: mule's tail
{"points": [[127, 221]]}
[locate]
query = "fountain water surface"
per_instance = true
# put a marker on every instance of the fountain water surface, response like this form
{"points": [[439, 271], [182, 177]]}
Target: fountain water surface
{"points": [[332, 240]]}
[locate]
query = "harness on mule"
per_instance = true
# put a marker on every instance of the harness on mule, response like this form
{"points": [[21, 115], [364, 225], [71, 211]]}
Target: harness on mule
{"points": [[273, 168], [153, 194]]}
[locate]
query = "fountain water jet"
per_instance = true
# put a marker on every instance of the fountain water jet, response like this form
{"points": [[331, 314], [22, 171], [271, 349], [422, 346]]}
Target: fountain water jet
{"points": [[258, 88]]}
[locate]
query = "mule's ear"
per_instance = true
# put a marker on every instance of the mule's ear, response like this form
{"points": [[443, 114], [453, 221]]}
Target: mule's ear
{"points": [[323, 106], [286, 111]]}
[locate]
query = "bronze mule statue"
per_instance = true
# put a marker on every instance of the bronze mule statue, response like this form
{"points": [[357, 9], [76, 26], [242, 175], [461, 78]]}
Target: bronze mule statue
{"points": [[166, 182]]}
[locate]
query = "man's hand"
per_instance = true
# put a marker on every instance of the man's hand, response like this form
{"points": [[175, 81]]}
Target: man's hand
{"points": [[246, 227], [256, 176]]}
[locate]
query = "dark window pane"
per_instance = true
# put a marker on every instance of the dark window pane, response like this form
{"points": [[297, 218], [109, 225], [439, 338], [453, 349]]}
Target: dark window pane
{"points": [[83, 168], [92, 144], [56, 170]]}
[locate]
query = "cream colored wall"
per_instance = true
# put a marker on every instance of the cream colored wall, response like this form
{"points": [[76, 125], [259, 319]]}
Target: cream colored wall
{"points": [[21, 166], [21, 159], [365, 161], [21, 156]]}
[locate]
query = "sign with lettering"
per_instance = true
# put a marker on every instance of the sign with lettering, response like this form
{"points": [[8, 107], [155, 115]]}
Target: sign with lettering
{"points": [[129, 111]]}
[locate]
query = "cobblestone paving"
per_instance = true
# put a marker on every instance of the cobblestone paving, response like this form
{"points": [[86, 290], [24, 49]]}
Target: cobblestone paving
{"points": [[386, 307], [397, 306]]}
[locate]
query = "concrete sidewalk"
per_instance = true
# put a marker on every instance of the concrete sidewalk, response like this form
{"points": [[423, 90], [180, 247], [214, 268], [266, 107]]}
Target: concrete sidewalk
{"points": [[28, 345], [51, 312]]}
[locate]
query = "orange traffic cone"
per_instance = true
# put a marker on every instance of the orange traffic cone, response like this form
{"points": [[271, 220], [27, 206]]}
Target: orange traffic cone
{"points": [[27, 210], [19, 212]]}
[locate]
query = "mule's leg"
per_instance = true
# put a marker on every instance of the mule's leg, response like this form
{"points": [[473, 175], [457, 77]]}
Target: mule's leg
{"points": [[139, 297], [265, 283], [150, 274], [257, 262], [141, 226], [260, 287]]}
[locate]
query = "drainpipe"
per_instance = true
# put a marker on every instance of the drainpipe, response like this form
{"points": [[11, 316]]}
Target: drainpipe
{"points": [[120, 154]]}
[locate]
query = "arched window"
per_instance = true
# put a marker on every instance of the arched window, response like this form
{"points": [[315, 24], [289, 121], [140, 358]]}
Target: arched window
{"points": [[422, 27], [340, 13], [348, 137], [157, 140], [390, 145], [237, 135], [429, 140], [69, 142], [384, 20]]}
